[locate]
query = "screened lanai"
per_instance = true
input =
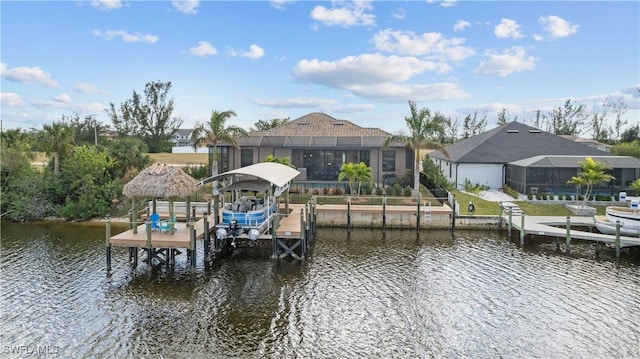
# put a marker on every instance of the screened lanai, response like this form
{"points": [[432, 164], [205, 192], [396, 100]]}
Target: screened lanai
{"points": [[549, 174]]}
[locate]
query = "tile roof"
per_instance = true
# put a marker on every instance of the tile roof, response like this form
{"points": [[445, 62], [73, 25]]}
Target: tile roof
{"points": [[318, 130], [512, 142]]}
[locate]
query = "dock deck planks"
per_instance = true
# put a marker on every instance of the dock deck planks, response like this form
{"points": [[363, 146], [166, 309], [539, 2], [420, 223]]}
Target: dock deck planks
{"points": [[544, 226], [179, 239]]}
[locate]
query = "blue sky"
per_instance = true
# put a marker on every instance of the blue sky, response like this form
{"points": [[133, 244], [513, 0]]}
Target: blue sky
{"points": [[359, 61]]}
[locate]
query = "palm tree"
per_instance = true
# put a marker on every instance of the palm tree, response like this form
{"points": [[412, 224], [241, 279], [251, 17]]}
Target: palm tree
{"points": [[355, 173], [57, 141], [214, 132], [593, 173], [635, 185], [424, 130], [281, 160]]}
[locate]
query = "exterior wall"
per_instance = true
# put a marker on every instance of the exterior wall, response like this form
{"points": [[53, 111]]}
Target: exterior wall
{"points": [[485, 174], [189, 149]]}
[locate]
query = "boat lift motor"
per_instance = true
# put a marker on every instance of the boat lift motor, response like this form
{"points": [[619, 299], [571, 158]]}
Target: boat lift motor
{"points": [[471, 208]]}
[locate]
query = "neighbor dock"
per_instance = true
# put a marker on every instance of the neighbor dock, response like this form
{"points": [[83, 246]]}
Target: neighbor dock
{"points": [[564, 227]]}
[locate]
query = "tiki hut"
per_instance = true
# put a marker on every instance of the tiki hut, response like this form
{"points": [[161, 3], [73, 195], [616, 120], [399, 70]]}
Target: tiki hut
{"points": [[161, 181]]}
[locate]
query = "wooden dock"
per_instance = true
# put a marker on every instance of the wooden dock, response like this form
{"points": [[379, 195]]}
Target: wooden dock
{"points": [[181, 238], [564, 227]]}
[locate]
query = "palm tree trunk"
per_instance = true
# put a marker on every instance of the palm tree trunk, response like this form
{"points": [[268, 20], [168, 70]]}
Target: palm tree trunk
{"points": [[56, 162], [416, 177], [214, 171]]}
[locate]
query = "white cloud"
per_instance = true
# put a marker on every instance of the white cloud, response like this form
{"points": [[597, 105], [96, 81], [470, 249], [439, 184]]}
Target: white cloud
{"points": [[461, 25], [126, 37], [186, 6], [538, 37], [10, 99], [443, 3], [296, 102], [27, 75], [416, 92], [349, 14], [203, 49], [399, 13], [511, 60], [366, 69], [255, 52], [106, 5], [63, 98], [84, 87], [507, 29], [280, 4], [557, 26], [431, 44]]}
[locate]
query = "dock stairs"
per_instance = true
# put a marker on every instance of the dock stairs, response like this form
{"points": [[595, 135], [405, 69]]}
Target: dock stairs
{"points": [[515, 209]]}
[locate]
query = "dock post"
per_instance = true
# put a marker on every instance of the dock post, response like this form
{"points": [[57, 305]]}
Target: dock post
{"points": [[453, 216], [568, 247], [207, 236], [274, 237], [418, 216], [134, 216], [597, 248], [303, 243], [617, 244], [510, 221], [315, 214], [149, 249], [500, 209], [384, 214], [192, 244], [108, 236], [348, 213], [522, 230]]}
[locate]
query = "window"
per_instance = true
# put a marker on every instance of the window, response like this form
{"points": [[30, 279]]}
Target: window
{"points": [[364, 157], [389, 161], [246, 157]]}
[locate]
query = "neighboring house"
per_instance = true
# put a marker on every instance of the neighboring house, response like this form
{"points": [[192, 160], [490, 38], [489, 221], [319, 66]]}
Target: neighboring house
{"points": [[182, 138], [588, 142], [527, 159], [318, 144]]}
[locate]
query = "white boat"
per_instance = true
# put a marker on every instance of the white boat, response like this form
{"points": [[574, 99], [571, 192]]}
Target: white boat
{"points": [[628, 217], [250, 215]]}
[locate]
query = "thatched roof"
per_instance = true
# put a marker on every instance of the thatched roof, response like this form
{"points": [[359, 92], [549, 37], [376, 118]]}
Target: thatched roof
{"points": [[161, 181]]}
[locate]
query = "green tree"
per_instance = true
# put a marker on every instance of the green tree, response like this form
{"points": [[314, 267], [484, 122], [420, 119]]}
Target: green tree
{"points": [[57, 141], [635, 185], [86, 185], [631, 134], [355, 173], [149, 117], [263, 125], [627, 149], [215, 132], [424, 130], [569, 119], [128, 157], [472, 126], [593, 173], [281, 160]]}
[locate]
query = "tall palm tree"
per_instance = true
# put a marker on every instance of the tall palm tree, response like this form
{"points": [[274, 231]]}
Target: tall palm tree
{"points": [[215, 132], [635, 185], [355, 173], [57, 141], [425, 129], [593, 173]]}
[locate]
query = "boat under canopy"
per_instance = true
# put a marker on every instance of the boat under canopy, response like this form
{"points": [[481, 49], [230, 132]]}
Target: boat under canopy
{"points": [[270, 173], [250, 216]]}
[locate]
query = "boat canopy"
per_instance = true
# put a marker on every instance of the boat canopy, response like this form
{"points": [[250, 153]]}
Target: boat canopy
{"points": [[269, 173]]}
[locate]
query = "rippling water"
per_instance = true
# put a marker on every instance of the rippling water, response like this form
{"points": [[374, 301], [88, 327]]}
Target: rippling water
{"points": [[361, 295]]}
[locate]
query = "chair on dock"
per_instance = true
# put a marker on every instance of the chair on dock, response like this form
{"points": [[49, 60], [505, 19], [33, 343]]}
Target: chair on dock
{"points": [[155, 221], [165, 224]]}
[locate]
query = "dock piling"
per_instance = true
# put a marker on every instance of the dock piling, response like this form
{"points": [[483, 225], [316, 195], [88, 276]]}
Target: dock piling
{"points": [[192, 244], [349, 213], [384, 214], [510, 222], [522, 230], [418, 216], [568, 238], [617, 242], [108, 235], [207, 236]]}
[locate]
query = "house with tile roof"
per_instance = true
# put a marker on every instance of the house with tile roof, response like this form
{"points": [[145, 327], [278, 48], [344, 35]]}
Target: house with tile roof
{"points": [[318, 145], [528, 160]]}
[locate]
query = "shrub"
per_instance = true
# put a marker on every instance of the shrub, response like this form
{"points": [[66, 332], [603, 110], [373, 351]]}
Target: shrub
{"points": [[529, 196], [379, 191], [325, 190], [406, 191], [510, 191], [316, 191], [336, 191]]}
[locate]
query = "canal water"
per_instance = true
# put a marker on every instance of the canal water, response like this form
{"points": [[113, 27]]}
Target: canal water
{"points": [[359, 295]]}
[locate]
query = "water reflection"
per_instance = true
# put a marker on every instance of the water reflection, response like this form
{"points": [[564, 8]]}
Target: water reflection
{"points": [[364, 294]]}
